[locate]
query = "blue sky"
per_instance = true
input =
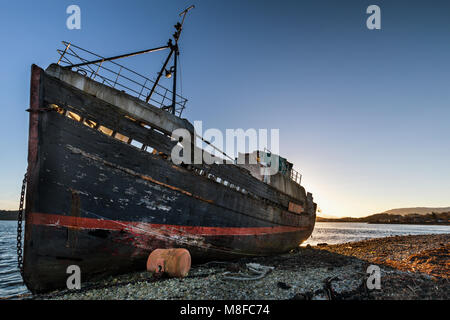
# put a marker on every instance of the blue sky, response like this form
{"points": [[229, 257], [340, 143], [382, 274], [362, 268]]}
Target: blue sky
{"points": [[363, 114]]}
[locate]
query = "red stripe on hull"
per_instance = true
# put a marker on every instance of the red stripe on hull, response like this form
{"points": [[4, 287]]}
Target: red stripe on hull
{"points": [[90, 223]]}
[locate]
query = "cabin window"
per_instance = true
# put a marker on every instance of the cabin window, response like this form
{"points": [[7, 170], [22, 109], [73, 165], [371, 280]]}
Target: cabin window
{"points": [[121, 137], [95, 125], [73, 115], [57, 108], [137, 144], [105, 130], [90, 123], [156, 130]]}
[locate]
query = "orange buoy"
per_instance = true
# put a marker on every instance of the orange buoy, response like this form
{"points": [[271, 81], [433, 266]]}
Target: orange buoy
{"points": [[173, 262]]}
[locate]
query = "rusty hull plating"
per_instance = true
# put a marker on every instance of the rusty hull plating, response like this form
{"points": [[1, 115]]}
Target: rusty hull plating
{"points": [[98, 201]]}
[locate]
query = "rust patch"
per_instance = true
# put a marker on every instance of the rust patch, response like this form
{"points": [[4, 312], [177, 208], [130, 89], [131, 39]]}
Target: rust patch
{"points": [[296, 208]]}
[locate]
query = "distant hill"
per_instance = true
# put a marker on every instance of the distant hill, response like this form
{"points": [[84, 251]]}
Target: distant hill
{"points": [[326, 216], [417, 210], [8, 215], [398, 211], [442, 218]]}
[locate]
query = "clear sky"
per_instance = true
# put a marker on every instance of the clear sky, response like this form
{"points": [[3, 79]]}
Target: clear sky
{"points": [[363, 114]]}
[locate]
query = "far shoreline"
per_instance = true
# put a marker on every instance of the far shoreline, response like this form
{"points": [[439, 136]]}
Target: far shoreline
{"points": [[394, 223], [432, 218]]}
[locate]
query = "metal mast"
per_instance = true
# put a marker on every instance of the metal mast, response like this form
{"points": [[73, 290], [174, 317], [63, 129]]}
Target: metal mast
{"points": [[174, 50]]}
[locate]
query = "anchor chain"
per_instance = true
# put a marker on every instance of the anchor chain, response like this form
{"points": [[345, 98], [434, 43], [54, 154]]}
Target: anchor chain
{"points": [[19, 226]]}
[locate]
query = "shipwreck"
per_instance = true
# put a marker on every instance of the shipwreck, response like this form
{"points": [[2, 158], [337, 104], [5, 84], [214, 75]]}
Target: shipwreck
{"points": [[102, 192]]}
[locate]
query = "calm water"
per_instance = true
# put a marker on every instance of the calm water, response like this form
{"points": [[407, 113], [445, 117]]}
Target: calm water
{"points": [[11, 281], [10, 278], [340, 232]]}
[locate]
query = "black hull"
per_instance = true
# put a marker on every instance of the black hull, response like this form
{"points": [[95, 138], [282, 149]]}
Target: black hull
{"points": [[99, 254], [104, 205]]}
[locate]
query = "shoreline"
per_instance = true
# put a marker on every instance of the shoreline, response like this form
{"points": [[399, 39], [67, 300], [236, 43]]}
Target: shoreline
{"points": [[412, 267], [343, 220]]}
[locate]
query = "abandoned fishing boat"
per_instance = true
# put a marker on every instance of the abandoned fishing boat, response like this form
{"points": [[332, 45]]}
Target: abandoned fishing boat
{"points": [[102, 191]]}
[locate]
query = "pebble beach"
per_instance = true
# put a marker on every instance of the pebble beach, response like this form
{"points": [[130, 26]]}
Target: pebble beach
{"points": [[412, 267]]}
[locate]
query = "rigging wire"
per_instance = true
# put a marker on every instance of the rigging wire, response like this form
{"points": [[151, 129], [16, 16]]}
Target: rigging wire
{"points": [[181, 78]]}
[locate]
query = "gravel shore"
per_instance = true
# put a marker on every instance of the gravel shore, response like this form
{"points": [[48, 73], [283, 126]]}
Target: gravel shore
{"points": [[412, 267]]}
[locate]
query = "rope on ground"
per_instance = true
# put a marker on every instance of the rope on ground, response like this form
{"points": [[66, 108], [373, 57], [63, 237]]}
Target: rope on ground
{"points": [[216, 262], [255, 272]]}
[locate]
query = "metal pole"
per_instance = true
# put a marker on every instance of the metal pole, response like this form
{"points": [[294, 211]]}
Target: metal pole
{"points": [[118, 57], [62, 55], [160, 73], [174, 90], [173, 48]]}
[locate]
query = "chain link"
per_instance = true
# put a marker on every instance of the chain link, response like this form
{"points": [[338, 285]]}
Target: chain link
{"points": [[19, 226]]}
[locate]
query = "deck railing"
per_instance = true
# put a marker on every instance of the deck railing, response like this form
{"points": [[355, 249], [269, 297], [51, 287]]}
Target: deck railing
{"points": [[118, 76], [296, 176]]}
